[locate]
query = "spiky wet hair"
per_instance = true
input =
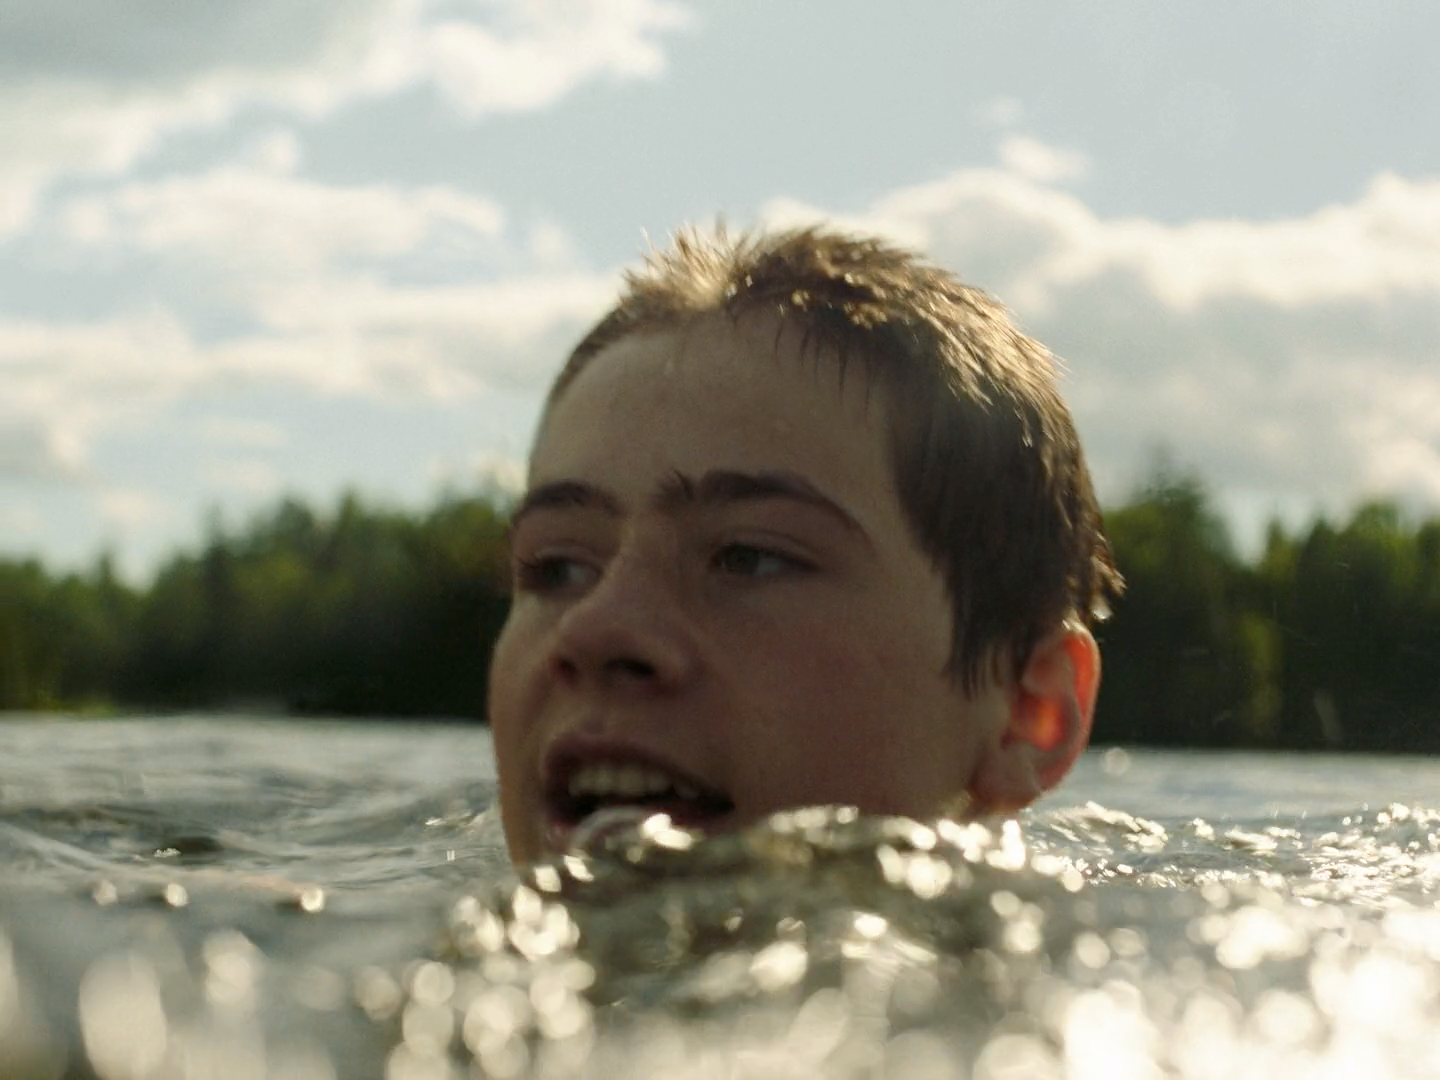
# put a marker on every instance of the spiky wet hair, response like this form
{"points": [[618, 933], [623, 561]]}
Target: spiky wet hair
{"points": [[985, 456]]}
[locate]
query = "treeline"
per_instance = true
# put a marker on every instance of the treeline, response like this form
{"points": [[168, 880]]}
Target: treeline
{"points": [[1331, 639], [362, 612]]}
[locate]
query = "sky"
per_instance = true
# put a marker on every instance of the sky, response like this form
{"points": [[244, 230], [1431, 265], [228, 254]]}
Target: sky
{"points": [[258, 248]]}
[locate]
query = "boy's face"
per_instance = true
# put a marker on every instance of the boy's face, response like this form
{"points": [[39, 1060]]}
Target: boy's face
{"points": [[719, 608]]}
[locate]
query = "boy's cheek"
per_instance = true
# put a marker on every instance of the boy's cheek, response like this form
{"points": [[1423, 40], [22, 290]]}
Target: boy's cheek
{"points": [[518, 654], [511, 672]]}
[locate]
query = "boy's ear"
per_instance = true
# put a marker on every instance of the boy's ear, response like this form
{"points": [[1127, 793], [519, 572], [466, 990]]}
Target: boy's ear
{"points": [[1051, 708]]}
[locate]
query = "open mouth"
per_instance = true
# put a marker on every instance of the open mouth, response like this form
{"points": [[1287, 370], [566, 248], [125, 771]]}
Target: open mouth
{"points": [[585, 788]]}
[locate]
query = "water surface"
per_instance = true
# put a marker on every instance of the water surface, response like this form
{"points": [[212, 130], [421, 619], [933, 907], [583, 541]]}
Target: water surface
{"points": [[243, 897]]}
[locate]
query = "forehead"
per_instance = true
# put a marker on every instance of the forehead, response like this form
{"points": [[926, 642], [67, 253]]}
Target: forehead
{"points": [[719, 392]]}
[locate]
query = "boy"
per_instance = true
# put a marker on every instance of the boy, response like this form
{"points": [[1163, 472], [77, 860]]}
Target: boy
{"points": [[807, 522]]}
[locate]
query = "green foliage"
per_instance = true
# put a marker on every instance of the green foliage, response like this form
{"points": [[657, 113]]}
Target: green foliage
{"points": [[62, 640], [366, 611], [1330, 639], [1360, 606], [1182, 661]]}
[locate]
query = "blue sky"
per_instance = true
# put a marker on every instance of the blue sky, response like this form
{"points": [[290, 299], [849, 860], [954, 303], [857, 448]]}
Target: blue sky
{"points": [[257, 247]]}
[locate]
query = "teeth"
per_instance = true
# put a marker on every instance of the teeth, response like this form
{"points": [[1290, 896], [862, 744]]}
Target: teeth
{"points": [[629, 780]]}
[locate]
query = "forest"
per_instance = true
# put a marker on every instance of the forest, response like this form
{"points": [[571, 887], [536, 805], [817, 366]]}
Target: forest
{"points": [[1330, 639]]}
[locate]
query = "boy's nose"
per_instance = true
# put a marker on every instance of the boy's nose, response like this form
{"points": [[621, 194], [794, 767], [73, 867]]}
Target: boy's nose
{"points": [[628, 632]]}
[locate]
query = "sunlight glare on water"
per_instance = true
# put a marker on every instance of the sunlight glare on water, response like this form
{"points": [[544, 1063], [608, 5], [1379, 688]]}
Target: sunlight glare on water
{"points": [[1005, 970], [332, 902]]}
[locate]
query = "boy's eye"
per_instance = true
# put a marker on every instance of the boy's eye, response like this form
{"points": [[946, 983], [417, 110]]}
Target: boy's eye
{"points": [[746, 560], [552, 573]]}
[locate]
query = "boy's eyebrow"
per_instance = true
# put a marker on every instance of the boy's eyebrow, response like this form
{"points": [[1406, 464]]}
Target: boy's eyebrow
{"points": [[566, 494], [730, 485], [716, 487]]}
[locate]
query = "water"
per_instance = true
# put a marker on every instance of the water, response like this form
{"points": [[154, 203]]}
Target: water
{"points": [[246, 898]]}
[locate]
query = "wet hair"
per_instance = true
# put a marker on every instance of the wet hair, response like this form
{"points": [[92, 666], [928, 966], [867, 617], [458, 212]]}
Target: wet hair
{"points": [[985, 456]]}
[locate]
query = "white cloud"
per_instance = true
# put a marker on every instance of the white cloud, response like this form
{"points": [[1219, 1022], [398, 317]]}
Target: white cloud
{"points": [[20, 519], [255, 478], [489, 472], [320, 270], [91, 86], [427, 336], [1386, 243], [131, 507], [1400, 418], [550, 245], [267, 227], [1036, 161], [269, 278], [62, 386], [276, 152], [1276, 356], [547, 48], [58, 382], [243, 432], [313, 279], [32, 450]]}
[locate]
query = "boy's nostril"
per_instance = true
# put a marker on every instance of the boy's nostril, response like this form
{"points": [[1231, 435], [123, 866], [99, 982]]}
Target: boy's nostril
{"points": [[625, 665]]}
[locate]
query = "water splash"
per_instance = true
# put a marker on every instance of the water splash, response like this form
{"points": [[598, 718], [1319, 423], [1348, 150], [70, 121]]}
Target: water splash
{"points": [[361, 922], [826, 945]]}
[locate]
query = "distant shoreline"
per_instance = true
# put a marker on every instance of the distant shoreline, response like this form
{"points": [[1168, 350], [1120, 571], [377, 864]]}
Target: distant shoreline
{"points": [[1329, 640]]}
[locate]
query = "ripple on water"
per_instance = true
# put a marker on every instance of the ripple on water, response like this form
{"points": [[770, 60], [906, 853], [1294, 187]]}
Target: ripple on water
{"points": [[822, 945], [1094, 944]]}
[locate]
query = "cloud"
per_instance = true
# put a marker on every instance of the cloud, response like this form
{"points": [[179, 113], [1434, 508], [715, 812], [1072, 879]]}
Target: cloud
{"points": [[1384, 243], [31, 451], [58, 382], [91, 86], [145, 42], [249, 223], [272, 280], [1298, 355], [63, 386], [1277, 356], [269, 278], [20, 519], [243, 432], [543, 51], [1033, 159], [131, 507], [255, 478], [496, 474]]}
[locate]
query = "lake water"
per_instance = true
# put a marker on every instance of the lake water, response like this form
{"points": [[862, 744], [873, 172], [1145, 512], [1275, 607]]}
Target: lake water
{"points": [[240, 897]]}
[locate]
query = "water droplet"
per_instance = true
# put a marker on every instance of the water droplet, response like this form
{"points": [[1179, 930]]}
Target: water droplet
{"points": [[311, 899]]}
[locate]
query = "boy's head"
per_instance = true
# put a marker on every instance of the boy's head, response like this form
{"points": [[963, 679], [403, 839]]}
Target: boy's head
{"points": [[807, 522]]}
